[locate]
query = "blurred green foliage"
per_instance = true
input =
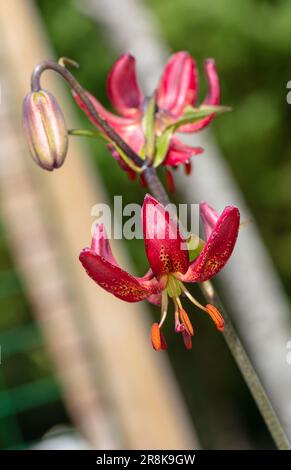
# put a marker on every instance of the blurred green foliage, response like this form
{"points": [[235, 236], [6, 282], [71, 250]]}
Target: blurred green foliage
{"points": [[251, 43], [30, 402], [250, 40]]}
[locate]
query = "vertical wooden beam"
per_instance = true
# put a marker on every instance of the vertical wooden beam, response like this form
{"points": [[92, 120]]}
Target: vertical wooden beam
{"points": [[137, 382], [35, 249]]}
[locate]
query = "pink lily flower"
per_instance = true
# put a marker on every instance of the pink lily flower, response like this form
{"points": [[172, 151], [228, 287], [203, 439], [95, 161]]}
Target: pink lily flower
{"points": [[170, 266], [178, 88]]}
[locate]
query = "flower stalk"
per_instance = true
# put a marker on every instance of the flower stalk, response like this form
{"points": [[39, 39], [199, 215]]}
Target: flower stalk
{"points": [[249, 374], [232, 340], [78, 89], [156, 188]]}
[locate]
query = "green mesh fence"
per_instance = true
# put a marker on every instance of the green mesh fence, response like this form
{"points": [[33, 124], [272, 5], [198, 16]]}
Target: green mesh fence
{"points": [[30, 399]]}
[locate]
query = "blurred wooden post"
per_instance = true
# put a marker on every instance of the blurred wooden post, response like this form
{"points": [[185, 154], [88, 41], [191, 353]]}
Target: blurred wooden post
{"points": [[130, 380], [37, 256]]}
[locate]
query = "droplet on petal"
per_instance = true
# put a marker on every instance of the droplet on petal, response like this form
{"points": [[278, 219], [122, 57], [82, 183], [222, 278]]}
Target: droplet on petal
{"points": [[216, 316], [157, 338], [186, 322]]}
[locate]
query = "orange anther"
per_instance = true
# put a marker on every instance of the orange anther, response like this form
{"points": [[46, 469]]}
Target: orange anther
{"points": [[186, 322], [216, 316], [157, 338]]}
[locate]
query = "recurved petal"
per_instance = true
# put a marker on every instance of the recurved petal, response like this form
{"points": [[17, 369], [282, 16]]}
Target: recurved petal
{"points": [[180, 153], [128, 129], [100, 244], [212, 98], [155, 299], [133, 136], [218, 248], [178, 84], [115, 280], [122, 87], [120, 124], [209, 218], [165, 247]]}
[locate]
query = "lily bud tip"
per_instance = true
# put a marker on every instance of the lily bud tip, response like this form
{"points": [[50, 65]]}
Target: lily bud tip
{"points": [[45, 129]]}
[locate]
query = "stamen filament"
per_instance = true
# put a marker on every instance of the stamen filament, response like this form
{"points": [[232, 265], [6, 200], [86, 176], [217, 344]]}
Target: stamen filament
{"points": [[191, 298], [212, 311], [178, 302], [164, 309], [178, 326]]}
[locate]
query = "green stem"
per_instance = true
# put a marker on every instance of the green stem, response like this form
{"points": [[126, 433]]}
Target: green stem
{"points": [[155, 186], [86, 133], [248, 372], [236, 348], [158, 191], [75, 85]]}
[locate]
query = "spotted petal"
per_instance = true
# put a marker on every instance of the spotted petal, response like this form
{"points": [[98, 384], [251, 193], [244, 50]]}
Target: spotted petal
{"points": [[100, 244], [218, 248], [122, 87], [102, 267], [163, 242], [115, 280], [178, 84], [213, 98]]}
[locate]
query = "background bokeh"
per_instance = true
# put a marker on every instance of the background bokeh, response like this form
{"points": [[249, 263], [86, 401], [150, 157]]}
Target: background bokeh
{"points": [[250, 40]]}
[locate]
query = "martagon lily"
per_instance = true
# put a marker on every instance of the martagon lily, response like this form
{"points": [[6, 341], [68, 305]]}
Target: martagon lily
{"points": [[148, 124], [171, 264]]}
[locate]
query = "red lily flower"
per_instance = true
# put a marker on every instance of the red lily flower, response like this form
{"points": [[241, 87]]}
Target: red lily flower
{"points": [[177, 89], [168, 256]]}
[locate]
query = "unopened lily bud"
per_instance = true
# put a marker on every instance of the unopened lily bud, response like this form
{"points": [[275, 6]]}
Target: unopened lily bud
{"points": [[45, 129]]}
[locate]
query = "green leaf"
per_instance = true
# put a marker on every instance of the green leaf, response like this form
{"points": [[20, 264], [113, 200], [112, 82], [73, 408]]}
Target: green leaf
{"points": [[195, 246], [162, 146], [87, 133], [192, 115]]}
